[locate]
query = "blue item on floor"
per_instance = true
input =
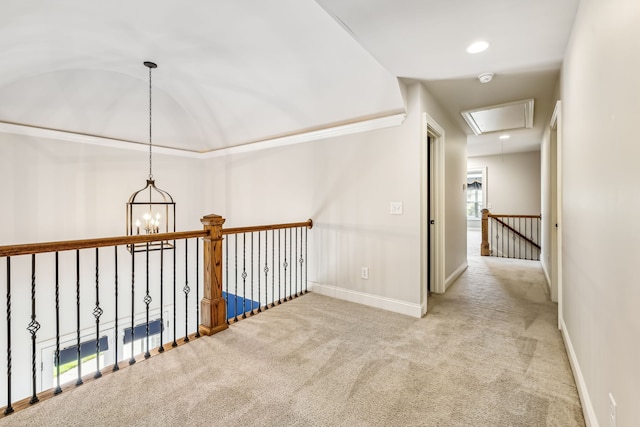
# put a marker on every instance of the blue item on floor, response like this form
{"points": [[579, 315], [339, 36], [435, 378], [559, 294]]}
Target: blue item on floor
{"points": [[238, 304]]}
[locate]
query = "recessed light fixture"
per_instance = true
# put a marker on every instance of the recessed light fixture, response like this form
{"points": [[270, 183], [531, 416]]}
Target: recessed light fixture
{"points": [[503, 137], [485, 77], [477, 47]]}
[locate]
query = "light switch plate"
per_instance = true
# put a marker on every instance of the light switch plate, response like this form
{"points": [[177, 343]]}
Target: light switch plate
{"points": [[395, 208]]}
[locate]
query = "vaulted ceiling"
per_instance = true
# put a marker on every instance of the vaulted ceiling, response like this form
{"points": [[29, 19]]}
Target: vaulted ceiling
{"points": [[233, 73]]}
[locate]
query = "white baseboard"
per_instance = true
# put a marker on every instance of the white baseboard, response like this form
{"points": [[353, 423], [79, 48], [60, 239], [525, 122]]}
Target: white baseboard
{"points": [[546, 275], [453, 276], [390, 304], [587, 407]]}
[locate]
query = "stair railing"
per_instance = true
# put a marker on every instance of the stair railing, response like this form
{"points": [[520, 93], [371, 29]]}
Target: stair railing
{"points": [[93, 298], [510, 236]]}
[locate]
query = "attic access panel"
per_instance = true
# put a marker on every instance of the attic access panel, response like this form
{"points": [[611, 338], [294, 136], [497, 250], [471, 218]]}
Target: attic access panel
{"points": [[495, 118]]}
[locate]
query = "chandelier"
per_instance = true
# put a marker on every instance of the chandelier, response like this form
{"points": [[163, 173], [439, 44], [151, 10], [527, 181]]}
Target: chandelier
{"points": [[150, 210]]}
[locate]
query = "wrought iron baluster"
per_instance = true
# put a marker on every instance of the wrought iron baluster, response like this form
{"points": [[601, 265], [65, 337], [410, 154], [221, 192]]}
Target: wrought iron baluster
{"points": [[9, 409], [147, 301], [175, 249], [293, 261], [58, 390], [306, 268], [33, 328], [116, 367], [301, 262], [279, 264], [266, 272], [285, 265], [259, 302], [244, 276], [132, 360], [295, 258], [186, 290], [226, 277], [161, 348], [78, 355], [97, 312], [197, 289], [252, 275], [273, 267], [235, 296]]}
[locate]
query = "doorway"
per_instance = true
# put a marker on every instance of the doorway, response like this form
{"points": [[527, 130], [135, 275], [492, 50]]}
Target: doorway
{"points": [[555, 184], [432, 210]]}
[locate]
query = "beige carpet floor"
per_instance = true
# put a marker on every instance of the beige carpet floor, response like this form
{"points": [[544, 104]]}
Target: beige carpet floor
{"points": [[487, 354]]}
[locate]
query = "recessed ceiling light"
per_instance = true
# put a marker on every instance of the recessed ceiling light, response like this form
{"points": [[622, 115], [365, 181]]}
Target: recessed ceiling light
{"points": [[478, 46], [504, 137]]}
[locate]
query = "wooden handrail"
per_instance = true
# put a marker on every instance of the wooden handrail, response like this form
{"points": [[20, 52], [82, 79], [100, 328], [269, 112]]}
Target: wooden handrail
{"points": [[308, 223], [70, 245], [513, 216]]}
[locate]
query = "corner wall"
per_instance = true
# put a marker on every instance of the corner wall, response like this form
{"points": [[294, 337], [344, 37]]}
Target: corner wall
{"points": [[601, 292]]}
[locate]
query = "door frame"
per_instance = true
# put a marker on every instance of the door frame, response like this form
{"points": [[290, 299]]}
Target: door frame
{"points": [[555, 126], [430, 128]]}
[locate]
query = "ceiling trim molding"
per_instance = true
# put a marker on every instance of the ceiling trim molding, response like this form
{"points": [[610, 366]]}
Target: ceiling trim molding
{"points": [[62, 135], [395, 119], [331, 132]]}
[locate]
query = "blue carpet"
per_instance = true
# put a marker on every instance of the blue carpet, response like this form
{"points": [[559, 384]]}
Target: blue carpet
{"points": [[236, 304]]}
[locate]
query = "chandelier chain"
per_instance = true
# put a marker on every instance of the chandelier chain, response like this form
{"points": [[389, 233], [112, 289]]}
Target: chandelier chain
{"points": [[150, 165]]}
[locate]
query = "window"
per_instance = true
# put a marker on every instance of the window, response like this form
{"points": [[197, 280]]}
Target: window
{"points": [[475, 193]]}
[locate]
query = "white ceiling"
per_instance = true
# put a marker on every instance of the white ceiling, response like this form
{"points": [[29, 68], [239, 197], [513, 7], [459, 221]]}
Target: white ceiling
{"points": [[231, 73]]}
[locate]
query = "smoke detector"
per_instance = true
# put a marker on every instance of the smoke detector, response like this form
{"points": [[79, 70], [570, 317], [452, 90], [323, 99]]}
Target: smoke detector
{"points": [[485, 77]]}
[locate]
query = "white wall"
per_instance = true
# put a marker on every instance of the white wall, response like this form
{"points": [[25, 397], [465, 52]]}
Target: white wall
{"points": [[513, 182], [601, 291], [346, 184]]}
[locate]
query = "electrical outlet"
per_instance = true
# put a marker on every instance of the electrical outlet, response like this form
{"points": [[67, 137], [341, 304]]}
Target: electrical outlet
{"points": [[612, 411], [364, 272]]}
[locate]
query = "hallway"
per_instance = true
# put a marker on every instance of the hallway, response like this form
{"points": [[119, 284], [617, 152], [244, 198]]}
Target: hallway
{"points": [[487, 354]]}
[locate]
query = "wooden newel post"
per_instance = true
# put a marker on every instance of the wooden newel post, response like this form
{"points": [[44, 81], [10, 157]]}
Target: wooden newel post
{"points": [[484, 246], [213, 305]]}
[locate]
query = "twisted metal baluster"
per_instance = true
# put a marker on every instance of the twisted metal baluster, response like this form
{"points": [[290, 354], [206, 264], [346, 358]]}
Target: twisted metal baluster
{"points": [[285, 265], [259, 302], [78, 354], [33, 328], [186, 290], [251, 302], [147, 301], [301, 261], [266, 271], [58, 390], [161, 348], [97, 312], [132, 360], [291, 242], [9, 409], [175, 249], [226, 278], [306, 254], [235, 296], [279, 264], [197, 289], [295, 241], [244, 276], [116, 367], [273, 267]]}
